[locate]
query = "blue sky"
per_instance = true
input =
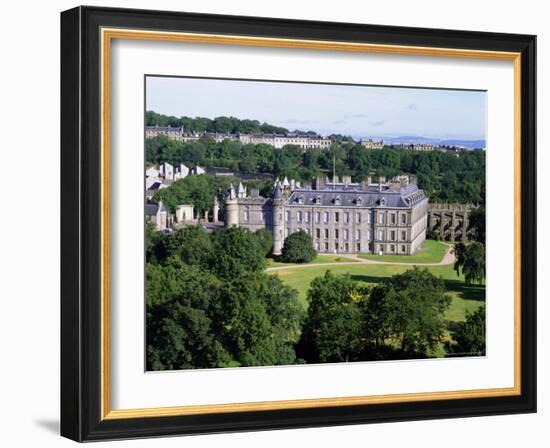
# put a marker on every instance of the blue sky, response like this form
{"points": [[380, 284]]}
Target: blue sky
{"points": [[360, 111]]}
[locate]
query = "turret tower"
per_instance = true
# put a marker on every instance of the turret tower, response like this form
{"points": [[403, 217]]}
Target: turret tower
{"points": [[278, 212], [231, 207], [216, 210]]}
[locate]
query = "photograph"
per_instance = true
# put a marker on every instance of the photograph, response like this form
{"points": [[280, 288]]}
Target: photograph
{"points": [[274, 222], [291, 223]]}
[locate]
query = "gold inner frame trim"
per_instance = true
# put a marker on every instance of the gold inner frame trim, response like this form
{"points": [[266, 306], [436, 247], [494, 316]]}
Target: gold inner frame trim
{"points": [[107, 35]]}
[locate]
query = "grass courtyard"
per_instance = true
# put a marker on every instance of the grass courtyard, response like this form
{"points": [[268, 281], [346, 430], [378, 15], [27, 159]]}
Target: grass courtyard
{"points": [[431, 251]]}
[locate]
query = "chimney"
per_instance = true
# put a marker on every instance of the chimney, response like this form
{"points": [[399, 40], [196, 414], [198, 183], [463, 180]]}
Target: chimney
{"points": [[335, 179], [395, 185], [412, 180], [319, 183], [346, 180], [366, 182]]}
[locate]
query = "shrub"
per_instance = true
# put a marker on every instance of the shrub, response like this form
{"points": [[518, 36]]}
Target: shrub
{"points": [[298, 248]]}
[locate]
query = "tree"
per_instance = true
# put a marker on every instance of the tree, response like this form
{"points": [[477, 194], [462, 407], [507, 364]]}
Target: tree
{"points": [[445, 177], [152, 239], [407, 310], [179, 328], [198, 191], [477, 224], [298, 248], [469, 336], [265, 239], [237, 252], [258, 319], [195, 320], [191, 244], [470, 259], [333, 326]]}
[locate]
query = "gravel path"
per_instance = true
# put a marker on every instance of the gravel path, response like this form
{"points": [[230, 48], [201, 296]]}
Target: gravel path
{"points": [[448, 258]]}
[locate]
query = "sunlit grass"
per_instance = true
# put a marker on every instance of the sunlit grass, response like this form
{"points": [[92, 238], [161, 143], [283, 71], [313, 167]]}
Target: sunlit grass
{"points": [[464, 298], [431, 251], [319, 259]]}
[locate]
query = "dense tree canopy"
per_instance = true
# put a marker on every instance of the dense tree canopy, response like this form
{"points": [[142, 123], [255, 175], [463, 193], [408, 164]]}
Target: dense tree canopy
{"points": [[298, 248], [258, 319], [191, 244], [469, 336], [209, 304], [477, 224], [408, 310], [470, 259], [333, 327], [200, 191], [225, 125], [237, 251], [196, 190], [265, 237], [444, 177], [179, 327], [400, 318]]}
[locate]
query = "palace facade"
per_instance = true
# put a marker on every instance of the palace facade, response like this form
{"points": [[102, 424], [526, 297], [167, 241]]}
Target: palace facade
{"points": [[341, 217]]}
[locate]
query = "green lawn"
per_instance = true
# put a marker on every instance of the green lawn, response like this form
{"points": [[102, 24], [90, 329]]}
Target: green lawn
{"points": [[464, 298], [431, 251], [271, 263]]}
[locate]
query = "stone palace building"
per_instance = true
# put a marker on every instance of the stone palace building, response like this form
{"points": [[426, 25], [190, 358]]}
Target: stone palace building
{"points": [[341, 217]]}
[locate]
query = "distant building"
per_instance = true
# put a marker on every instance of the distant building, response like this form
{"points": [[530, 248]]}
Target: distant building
{"points": [[304, 141], [152, 173], [197, 170], [190, 137], [453, 150], [372, 144], [173, 133], [423, 147], [185, 213], [181, 171], [166, 171], [341, 217], [156, 213]]}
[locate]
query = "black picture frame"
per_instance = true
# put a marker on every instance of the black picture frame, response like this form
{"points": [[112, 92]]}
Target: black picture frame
{"points": [[81, 224]]}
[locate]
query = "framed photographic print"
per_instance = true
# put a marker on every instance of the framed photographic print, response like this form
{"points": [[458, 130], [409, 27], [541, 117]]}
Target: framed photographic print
{"points": [[277, 224]]}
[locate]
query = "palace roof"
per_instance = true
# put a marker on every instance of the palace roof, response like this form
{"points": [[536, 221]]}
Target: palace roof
{"points": [[355, 196]]}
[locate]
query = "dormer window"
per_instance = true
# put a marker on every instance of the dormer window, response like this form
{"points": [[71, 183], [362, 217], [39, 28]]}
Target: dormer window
{"points": [[383, 201], [318, 200], [337, 200], [359, 201], [301, 199]]}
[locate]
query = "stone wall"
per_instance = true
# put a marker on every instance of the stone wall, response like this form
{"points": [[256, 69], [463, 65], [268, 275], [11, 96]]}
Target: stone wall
{"points": [[449, 222]]}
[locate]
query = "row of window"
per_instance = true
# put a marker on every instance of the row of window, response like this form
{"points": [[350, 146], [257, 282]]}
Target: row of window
{"points": [[391, 248], [325, 233], [345, 247], [345, 217], [380, 249]]}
